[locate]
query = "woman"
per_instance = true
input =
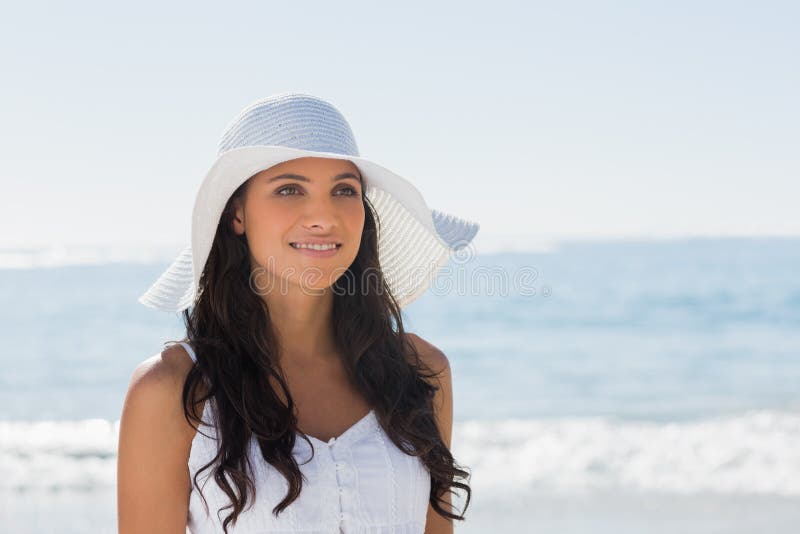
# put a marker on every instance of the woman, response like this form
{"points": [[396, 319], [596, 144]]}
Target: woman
{"points": [[297, 402]]}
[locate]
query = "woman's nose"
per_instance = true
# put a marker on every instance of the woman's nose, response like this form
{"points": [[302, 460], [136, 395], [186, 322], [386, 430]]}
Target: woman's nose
{"points": [[320, 212]]}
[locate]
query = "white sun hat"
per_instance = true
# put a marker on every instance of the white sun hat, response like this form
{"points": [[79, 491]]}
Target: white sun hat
{"points": [[414, 241]]}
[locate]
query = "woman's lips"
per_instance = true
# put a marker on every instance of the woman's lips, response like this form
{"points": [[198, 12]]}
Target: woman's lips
{"points": [[317, 253]]}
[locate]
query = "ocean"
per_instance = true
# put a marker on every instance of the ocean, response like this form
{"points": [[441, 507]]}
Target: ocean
{"points": [[599, 386]]}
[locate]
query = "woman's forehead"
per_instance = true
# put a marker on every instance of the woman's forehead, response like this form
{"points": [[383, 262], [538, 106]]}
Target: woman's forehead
{"points": [[314, 166]]}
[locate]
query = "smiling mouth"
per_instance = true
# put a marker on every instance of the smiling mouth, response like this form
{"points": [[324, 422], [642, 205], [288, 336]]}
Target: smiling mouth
{"points": [[294, 245]]}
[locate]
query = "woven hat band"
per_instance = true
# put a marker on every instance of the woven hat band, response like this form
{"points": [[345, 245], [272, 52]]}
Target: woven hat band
{"points": [[293, 121]]}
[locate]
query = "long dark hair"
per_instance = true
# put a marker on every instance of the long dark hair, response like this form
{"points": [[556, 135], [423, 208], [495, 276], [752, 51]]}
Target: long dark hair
{"points": [[229, 328]]}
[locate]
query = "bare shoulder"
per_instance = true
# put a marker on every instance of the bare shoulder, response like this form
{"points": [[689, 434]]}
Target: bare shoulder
{"points": [[153, 447], [437, 361], [434, 358], [161, 370], [155, 390], [157, 382], [429, 353]]}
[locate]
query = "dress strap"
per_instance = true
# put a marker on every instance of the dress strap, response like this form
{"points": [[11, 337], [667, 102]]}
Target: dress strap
{"points": [[189, 349]]}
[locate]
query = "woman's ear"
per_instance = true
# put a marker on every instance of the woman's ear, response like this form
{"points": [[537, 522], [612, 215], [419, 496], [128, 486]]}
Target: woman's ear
{"points": [[238, 216]]}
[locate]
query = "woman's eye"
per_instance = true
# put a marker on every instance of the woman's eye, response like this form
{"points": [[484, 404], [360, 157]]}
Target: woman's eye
{"points": [[352, 190], [282, 191], [286, 188]]}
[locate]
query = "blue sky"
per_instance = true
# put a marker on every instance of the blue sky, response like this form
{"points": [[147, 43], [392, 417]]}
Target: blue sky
{"points": [[539, 120]]}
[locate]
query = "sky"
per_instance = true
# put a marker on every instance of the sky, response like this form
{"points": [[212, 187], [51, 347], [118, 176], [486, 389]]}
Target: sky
{"points": [[539, 120]]}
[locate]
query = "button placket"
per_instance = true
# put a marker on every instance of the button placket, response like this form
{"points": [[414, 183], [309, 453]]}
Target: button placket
{"points": [[339, 469]]}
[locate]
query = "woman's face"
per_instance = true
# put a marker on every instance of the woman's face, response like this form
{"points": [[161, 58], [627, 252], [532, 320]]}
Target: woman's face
{"points": [[297, 202]]}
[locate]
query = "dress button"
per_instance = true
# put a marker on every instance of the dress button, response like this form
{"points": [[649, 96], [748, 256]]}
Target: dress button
{"points": [[342, 516]]}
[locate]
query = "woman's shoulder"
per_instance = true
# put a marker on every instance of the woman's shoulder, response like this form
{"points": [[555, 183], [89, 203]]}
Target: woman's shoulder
{"points": [[436, 360], [154, 442], [162, 375], [155, 393], [429, 353]]}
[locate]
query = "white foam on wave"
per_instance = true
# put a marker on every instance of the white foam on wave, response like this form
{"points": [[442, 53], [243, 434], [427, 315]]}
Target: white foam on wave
{"points": [[750, 453], [755, 452], [49, 455]]}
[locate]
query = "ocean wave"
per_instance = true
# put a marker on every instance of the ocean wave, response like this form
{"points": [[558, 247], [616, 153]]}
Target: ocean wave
{"points": [[753, 452]]}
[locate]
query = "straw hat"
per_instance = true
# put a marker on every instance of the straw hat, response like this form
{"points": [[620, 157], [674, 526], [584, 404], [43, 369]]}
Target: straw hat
{"points": [[414, 241]]}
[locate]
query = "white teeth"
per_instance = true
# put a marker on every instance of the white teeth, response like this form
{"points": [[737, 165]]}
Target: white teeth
{"points": [[314, 247]]}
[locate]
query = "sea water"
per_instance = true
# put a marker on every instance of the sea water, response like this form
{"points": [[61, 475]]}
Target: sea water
{"points": [[619, 386]]}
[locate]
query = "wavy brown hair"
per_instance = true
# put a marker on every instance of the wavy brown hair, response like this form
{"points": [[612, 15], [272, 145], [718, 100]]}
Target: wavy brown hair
{"points": [[236, 348]]}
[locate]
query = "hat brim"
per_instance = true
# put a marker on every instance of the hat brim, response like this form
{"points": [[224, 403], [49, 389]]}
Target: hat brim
{"points": [[414, 241]]}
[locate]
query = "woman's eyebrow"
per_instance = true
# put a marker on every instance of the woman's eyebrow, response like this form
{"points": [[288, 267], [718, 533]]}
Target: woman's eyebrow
{"points": [[300, 177]]}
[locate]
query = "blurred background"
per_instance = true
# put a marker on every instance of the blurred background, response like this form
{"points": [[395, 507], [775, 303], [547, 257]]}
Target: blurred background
{"points": [[624, 340]]}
